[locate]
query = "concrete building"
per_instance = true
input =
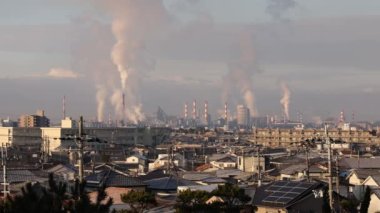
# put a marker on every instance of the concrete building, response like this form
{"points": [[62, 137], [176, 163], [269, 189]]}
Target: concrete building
{"points": [[284, 137], [251, 164], [37, 120], [243, 116], [17, 136], [57, 138]]}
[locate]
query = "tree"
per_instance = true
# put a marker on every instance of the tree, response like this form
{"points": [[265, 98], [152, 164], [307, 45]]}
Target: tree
{"points": [[55, 199], [366, 200], [192, 200], [326, 201], [138, 200], [232, 194]]}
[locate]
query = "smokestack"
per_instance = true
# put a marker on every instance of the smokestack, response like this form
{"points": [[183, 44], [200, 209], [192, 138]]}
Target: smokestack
{"points": [[186, 111], [64, 107], [206, 113], [342, 118], [123, 101], [195, 109], [225, 112]]}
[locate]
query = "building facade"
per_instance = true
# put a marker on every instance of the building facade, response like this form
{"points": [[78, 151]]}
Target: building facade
{"points": [[17, 136], [287, 137], [37, 120], [63, 138], [243, 116]]}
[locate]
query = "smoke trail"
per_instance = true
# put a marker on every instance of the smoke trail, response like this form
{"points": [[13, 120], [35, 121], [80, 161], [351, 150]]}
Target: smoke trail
{"points": [[239, 76], [101, 94], [133, 21], [277, 8], [285, 101]]}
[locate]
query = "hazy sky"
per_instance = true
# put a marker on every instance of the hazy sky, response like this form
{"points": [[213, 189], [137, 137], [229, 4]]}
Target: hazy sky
{"points": [[327, 52]]}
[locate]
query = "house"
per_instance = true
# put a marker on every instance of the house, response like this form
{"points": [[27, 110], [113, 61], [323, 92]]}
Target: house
{"points": [[289, 196], [360, 163], [298, 172], [358, 178], [372, 181], [374, 204], [227, 162], [63, 171], [117, 183], [168, 184], [137, 159], [140, 160], [251, 163], [18, 178], [163, 160]]}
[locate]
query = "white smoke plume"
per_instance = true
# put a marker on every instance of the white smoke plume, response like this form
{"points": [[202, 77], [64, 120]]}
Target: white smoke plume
{"points": [[239, 76], [285, 101], [101, 95], [132, 22], [277, 8]]}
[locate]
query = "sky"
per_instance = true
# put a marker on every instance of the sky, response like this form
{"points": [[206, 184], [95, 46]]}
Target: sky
{"points": [[169, 52]]}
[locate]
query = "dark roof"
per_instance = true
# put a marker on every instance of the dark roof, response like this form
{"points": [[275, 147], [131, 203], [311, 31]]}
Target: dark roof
{"points": [[113, 178], [168, 183], [361, 163], [19, 176], [283, 193], [158, 173]]}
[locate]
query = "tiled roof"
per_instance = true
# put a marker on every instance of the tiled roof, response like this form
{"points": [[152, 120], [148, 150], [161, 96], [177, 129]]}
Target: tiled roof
{"points": [[361, 163], [168, 183], [113, 178], [19, 176], [194, 176]]}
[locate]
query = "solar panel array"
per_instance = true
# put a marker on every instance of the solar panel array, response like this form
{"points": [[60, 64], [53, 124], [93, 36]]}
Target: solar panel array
{"points": [[282, 192]]}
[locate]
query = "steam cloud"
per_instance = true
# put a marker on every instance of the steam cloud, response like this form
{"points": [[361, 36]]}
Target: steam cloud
{"points": [[277, 8], [132, 22], [240, 73], [62, 73], [285, 101]]}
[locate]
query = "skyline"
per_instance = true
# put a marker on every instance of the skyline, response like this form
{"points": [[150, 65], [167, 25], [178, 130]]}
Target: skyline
{"points": [[327, 58]]}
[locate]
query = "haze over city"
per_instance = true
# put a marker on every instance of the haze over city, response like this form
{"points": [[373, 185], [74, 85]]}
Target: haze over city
{"points": [[322, 54]]}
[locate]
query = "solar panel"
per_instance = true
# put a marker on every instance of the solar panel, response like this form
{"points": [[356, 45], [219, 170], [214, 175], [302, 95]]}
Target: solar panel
{"points": [[285, 191], [270, 199], [284, 200], [292, 184]]}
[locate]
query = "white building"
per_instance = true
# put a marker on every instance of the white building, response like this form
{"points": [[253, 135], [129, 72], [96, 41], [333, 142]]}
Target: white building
{"points": [[251, 164], [17, 136], [63, 137]]}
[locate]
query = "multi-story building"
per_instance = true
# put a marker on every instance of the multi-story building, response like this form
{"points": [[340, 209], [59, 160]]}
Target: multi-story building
{"points": [[37, 120], [62, 138], [287, 137], [17, 136]]}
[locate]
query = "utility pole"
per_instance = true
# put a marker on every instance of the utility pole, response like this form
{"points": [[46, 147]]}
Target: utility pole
{"points": [[258, 167], [80, 144], [331, 200], [6, 188], [307, 163]]}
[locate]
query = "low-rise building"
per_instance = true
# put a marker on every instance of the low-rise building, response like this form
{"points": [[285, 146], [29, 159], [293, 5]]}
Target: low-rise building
{"points": [[20, 136]]}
